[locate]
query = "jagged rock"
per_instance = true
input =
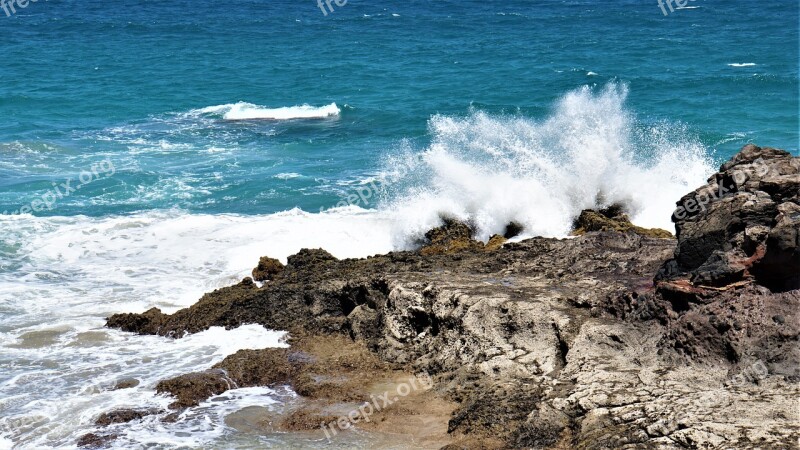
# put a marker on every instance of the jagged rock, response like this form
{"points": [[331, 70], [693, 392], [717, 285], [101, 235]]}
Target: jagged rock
{"points": [[267, 269], [513, 229], [739, 326], [527, 314], [192, 388], [495, 242], [220, 306], [309, 258], [126, 383], [613, 218], [123, 416], [146, 323], [93, 440], [452, 237], [742, 225], [245, 368]]}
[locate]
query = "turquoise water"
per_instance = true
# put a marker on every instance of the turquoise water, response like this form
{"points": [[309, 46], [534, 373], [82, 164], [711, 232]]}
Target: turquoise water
{"points": [[89, 80], [152, 151]]}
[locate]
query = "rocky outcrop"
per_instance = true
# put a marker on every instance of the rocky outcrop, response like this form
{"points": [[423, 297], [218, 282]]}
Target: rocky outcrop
{"points": [[93, 440], [543, 343], [744, 225], [454, 237], [451, 237], [613, 218], [123, 416], [267, 269]]}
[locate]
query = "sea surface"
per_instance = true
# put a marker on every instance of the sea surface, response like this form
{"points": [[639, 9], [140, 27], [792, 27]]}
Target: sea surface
{"points": [[151, 151]]}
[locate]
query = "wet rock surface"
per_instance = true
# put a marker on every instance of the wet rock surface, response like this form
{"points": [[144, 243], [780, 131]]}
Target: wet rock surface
{"points": [[613, 218], [127, 383], [93, 440], [193, 388], [123, 416], [543, 343]]}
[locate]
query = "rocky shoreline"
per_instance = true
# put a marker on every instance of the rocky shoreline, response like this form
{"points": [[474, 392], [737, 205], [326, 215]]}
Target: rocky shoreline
{"points": [[620, 337]]}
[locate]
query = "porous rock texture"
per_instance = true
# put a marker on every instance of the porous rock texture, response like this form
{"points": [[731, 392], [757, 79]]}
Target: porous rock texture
{"points": [[552, 343]]}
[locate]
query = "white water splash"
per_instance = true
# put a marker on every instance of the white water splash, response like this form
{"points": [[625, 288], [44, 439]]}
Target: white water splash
{"points": [[590, 152]]}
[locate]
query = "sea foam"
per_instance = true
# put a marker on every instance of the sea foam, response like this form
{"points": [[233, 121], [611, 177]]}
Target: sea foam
{"points": [[249, 111]]}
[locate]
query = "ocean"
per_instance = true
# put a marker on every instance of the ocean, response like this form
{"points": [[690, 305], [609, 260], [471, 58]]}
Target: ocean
{"points": [[153, 151]]}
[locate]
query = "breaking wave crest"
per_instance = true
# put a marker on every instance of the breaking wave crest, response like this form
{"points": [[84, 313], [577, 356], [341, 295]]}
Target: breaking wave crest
{"points": [[590, 152], [249, 111]]}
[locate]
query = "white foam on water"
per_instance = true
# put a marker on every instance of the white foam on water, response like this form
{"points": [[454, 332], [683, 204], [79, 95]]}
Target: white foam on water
{"points": [[249, 111], [198, 426], [287, 176]]}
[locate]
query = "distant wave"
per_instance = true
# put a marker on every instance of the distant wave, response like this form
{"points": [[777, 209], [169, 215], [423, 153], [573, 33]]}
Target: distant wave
{"points": [[742, 64], [731, 137], [249, 111], [287, 176]]}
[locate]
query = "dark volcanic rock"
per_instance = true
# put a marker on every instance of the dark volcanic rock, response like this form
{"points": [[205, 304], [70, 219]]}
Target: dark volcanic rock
{"points": [[310, 258], [451, 237], [227, 307], [267, 269], [193, 388], [258, 367], [454, 237], [123, 416], [92, 440], [148, 322], [743, 225], [126, 383], [513, 229], [613, 218], [245, 368]]}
